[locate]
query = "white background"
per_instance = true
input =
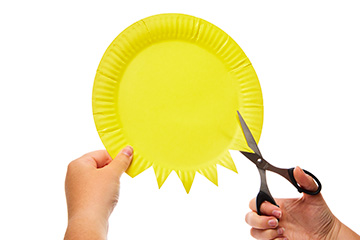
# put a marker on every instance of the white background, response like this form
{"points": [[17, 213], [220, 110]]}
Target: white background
{"points": [[306, 55]]}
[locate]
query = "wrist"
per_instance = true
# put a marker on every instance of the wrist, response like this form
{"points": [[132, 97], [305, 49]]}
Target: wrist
{"points": [[86, 226], [341, 231], [334, 230], [346, 233]]}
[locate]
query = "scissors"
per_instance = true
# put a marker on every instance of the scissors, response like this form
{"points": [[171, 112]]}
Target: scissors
{"points": [[262, 165]]}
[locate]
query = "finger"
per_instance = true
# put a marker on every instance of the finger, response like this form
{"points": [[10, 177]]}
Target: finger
{"points": [[266, 208], [304, 180], [122, 161], [261, 222], [98, 158], [267, 233]]}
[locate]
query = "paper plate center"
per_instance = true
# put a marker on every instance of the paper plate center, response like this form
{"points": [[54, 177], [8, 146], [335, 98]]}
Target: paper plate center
{"points": [[177, 103]]}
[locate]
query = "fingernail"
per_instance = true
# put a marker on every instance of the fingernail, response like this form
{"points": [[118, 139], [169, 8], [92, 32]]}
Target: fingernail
{"points": [[128, 151], [276, 213], [273, 223], [281, 231]]}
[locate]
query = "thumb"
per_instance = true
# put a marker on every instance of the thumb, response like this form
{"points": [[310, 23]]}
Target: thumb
{"points": [[305, 181], [122, 161]]}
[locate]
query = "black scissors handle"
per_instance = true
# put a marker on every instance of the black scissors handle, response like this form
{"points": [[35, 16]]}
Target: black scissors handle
{"points": [[300, 189], [262, 197], [264, 193]]}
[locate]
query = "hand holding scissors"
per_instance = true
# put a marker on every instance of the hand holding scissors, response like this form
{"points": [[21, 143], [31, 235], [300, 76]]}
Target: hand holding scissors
{"points": [[263, 165]]}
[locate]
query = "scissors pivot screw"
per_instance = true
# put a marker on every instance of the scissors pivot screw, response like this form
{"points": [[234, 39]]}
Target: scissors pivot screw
{"points": [[259, 160]]}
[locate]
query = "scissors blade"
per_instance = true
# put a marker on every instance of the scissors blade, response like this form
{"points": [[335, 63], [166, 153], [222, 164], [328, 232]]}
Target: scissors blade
{"points": [[248, 136]]}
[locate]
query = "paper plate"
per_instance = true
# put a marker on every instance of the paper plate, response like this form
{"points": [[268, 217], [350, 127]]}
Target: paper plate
{"points": [[169, 85]]}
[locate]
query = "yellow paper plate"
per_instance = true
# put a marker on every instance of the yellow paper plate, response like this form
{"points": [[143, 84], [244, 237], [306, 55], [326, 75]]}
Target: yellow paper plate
{"points": [[169, 85]]}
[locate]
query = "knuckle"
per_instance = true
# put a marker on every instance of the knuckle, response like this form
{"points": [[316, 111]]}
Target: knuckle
{"points": [[252, 203], [252, 219], [263, 234], [253, 232], [270, 234], [72, 165], [247, 216]]}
